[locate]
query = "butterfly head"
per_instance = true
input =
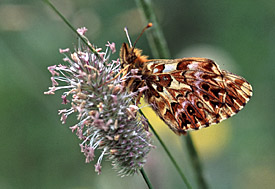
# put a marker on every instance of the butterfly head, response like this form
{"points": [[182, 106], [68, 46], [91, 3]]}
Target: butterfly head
{"points": [[131, 56]]}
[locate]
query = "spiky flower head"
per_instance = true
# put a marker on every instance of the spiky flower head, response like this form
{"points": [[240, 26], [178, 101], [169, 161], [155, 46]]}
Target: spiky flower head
{"points": [[107, 119]]}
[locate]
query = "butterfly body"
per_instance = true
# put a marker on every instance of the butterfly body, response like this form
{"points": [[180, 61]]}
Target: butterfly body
{"points": [[188, 93]]}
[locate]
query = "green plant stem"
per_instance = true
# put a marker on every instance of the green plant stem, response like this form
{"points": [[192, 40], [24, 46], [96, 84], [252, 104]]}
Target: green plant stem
{"points": [[72, 28], [158, 43], [146, 178], [168, 153], [155, 35], [195, 162]]}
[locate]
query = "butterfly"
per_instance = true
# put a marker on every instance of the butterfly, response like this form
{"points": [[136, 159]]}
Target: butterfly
{"points": [[187, 93]]}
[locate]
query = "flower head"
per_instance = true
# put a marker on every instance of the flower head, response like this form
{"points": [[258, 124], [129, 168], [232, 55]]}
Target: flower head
{"points": [[107, 120]]}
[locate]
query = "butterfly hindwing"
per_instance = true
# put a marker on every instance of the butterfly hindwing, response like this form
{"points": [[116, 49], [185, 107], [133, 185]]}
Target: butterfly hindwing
{"points": [[192, 93]]}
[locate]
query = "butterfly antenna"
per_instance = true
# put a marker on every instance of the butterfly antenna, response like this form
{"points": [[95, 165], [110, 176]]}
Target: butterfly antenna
{"points": [[146, 27], [128, 37]]}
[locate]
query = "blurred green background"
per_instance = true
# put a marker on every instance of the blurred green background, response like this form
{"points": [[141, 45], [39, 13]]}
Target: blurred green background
{"points": [[37, 151]]}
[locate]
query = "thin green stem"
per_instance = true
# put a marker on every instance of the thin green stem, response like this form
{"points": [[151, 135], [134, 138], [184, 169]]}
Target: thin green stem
{"points": [[158, 43], [195, 162], [72, 28], [168, 153], [146, 178], [155, 35]]}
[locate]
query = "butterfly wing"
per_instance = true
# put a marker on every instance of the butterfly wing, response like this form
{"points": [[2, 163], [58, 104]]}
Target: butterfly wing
{"points": [[192, 93]]}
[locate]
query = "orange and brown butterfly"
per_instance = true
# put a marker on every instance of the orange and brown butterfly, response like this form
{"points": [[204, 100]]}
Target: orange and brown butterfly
{"points": [[188, 93]]}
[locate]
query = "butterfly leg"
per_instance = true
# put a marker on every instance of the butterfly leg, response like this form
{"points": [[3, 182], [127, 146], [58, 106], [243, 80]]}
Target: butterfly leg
{"points": [[140, 92], [123, 72], [138, 98]]}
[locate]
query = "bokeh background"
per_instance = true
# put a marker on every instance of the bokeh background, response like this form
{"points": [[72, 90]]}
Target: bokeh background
{"points": [[37, 151]]}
